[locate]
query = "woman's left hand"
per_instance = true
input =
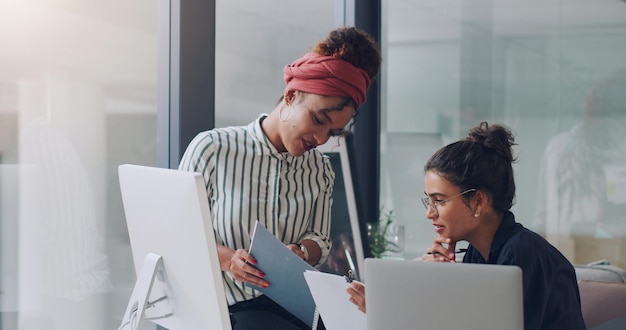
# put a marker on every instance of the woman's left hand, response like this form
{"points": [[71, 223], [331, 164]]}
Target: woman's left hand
{"points": [[295, 248]]}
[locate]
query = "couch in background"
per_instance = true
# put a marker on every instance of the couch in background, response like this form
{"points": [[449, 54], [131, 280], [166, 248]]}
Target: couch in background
{"points": [[602, 295]]}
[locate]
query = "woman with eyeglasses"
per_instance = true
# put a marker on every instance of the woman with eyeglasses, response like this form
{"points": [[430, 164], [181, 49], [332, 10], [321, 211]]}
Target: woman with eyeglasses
{"points": [[470, 189]]}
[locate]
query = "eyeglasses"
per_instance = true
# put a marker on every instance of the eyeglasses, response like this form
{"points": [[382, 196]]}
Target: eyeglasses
{"points": [[427, 202]]}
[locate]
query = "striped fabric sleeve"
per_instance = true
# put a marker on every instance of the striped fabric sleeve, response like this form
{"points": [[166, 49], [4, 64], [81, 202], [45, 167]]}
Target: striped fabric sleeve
{"points": [[197, 158], [198, 154], [320, 222]]}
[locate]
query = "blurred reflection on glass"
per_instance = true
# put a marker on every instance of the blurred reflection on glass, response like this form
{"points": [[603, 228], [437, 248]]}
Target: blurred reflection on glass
{"points": [[64, 267], [582, 185], [342, 258]]}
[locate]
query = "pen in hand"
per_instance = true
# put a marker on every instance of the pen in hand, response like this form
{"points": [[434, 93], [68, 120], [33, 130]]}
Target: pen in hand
{"points": [[356, 290], [350, 277], [457, 251]]}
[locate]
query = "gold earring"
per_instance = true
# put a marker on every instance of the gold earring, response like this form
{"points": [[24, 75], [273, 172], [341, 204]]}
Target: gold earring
{"points": [[280, 113]]}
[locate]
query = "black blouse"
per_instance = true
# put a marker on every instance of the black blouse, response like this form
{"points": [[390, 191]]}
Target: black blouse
{"points": [[551, 297]]}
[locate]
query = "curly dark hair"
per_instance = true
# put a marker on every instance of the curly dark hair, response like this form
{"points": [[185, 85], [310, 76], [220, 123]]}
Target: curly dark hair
{"points": [[353, 46], [356, 47], [483, 160]]}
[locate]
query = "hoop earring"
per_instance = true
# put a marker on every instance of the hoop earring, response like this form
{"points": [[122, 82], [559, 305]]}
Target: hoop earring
{"points": [[280, 113]]}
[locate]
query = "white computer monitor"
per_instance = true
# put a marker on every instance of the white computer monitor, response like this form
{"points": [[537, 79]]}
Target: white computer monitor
{"points": [[179, 283]]}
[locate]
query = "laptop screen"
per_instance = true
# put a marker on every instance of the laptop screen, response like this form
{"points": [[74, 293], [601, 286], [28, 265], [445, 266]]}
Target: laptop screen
{"points": [[433, 295]]}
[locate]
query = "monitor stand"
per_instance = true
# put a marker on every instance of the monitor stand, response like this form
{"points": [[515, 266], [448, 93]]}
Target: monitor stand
{"points": [[139, 303]]}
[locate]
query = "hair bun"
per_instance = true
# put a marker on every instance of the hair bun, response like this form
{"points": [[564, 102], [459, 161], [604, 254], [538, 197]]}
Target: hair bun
{"points": [[495, 137]]}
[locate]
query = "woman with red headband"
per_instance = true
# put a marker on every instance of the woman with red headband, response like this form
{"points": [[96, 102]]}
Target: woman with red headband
{"points": [[270, 170]]}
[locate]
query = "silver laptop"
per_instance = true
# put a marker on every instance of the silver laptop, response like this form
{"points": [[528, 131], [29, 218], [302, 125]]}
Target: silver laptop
{"points": [[434, 295]]}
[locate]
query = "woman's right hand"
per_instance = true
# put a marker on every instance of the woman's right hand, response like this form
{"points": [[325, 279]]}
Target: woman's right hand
{"points": [[442, 250], [356, 290], [240, 264]]}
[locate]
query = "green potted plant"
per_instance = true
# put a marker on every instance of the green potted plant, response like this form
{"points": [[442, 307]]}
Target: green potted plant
{"points": [[379, 242]]}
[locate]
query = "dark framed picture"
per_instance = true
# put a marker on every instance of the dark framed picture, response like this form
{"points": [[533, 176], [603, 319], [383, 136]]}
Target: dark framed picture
{"points": [[347, 250]]}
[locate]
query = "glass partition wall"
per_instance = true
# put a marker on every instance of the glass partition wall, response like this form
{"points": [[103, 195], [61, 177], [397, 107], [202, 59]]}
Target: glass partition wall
{"points": [[553, 71], [77, 98], [254, 40]]}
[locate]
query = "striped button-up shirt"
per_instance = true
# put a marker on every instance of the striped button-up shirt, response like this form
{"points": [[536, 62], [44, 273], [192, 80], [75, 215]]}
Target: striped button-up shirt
{"points": [[247, 179]]}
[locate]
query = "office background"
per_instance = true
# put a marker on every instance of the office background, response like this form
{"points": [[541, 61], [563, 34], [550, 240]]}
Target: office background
{"points": [[88, 85]]}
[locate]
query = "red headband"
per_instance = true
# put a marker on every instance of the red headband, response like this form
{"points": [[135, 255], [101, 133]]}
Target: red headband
{"points": [[327, 75]]}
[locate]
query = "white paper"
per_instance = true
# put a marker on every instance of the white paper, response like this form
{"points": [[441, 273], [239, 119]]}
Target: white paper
{"points": [[332, 300]]}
